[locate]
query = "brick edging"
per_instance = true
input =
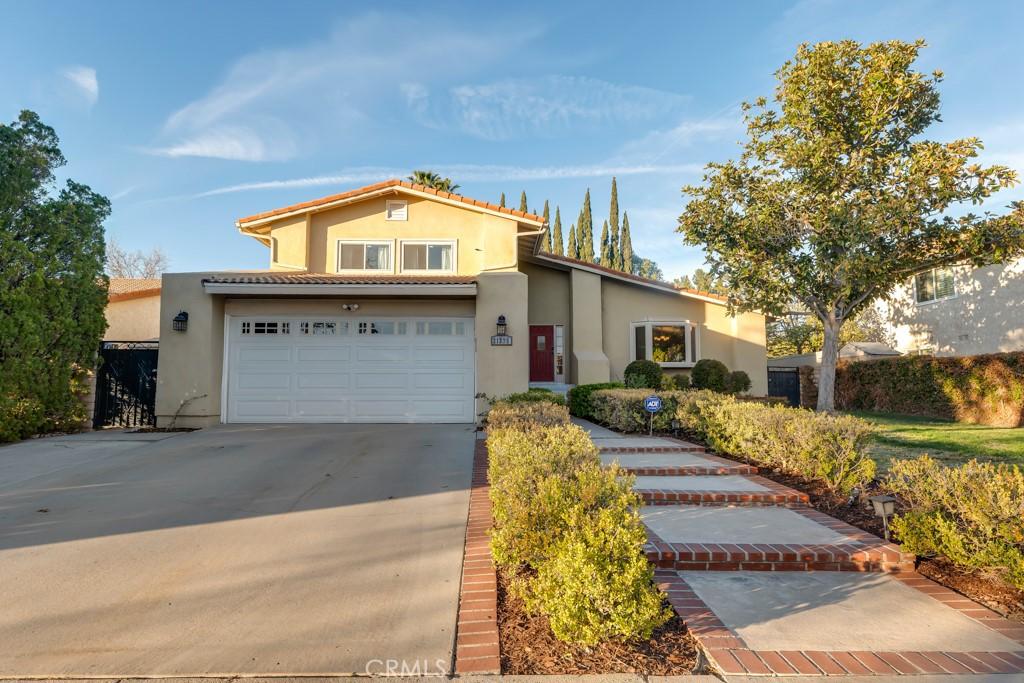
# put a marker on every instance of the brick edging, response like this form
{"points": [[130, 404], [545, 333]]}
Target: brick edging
{"points": [[731, 654], [477, 646], [773, 494], [714, 465]]}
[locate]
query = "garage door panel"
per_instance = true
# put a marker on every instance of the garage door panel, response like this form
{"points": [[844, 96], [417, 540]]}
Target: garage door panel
{"points": [[415, 369]]}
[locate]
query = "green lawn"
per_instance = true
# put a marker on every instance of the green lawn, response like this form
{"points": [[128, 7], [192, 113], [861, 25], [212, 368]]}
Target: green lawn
{"points": [[907, 436]]}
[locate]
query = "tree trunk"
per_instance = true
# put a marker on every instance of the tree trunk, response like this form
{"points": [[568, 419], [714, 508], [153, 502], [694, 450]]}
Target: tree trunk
{"points": [[829, 358]]}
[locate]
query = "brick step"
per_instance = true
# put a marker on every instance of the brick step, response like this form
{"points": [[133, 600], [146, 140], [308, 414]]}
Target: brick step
{"points": [[777, 557], [645, 444], [717, 490], [676, 464]]}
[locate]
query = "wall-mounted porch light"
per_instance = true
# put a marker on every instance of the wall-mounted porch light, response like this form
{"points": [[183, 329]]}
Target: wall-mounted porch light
{"points": [[180, 322], [502, 338], [884, 507], [502, 326]]}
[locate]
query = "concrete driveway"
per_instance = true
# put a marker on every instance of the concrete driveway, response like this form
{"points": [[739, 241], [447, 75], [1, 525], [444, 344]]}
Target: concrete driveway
{"points": [[245, 549]]}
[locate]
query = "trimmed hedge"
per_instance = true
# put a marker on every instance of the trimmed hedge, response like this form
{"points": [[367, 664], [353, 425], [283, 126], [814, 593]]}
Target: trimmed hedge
{"points": [[987, 389], [830, 448], [525, 415], [709, 373], [579, 398], [972, 514], [534, 395]]}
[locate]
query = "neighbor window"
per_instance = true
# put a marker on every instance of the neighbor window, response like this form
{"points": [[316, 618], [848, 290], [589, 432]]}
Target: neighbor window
{"points": [[428, 256], [364, 256], [934, 284], [672, 344]]}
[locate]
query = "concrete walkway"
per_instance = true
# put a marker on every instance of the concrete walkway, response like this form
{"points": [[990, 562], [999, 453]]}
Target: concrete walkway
{"points": [[770, 587]]}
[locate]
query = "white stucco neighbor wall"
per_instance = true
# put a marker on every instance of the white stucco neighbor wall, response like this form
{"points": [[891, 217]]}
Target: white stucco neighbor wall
{"points": [[983, 317]]}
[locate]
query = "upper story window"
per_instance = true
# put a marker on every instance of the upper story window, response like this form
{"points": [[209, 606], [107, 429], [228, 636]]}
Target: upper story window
{"points": [[396, 210], [364, 256], [428, 256], [671, 344], [934, 284]]}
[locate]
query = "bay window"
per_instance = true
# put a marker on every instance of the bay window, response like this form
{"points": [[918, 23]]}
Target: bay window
{"points": [[670, 344]]}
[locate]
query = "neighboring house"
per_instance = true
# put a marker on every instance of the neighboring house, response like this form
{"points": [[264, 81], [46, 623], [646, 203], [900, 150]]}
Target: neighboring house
{"points": [[398, 303], [959, 311], [133, 310], [854, 351]]}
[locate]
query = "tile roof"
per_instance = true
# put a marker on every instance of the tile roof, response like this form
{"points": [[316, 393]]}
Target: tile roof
{"points": [[122, 288], [312, 204], [330, 279], [637, 278]]}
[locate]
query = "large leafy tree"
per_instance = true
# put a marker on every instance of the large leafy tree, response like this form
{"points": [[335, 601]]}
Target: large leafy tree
{"points": [[52, 288], [837, 197], [433, 180]]}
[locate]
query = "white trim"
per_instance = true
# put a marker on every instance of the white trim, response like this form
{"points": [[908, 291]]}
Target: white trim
{"points": [[692, 339], [396, 202], [341, 289], [366, 243], [454, 244], [665, 288], [391, 189], [224, 384]]}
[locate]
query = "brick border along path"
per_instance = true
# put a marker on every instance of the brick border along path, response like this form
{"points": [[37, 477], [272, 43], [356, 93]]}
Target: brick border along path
{"points": [[775, 495]]}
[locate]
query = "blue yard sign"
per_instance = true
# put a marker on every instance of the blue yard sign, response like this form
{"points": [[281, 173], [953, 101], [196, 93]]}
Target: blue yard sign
{"points": [[652, 404]]}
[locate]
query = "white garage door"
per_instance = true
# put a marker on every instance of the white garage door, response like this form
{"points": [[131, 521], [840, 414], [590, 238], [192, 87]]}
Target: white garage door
{"points": [[317, 369]]}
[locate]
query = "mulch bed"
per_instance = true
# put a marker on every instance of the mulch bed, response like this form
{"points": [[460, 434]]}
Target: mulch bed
{"points": [[990, 591], [529, 647]]}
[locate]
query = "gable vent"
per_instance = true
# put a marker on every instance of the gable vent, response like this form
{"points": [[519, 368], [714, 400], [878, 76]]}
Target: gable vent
{"points": [[397, 210]]}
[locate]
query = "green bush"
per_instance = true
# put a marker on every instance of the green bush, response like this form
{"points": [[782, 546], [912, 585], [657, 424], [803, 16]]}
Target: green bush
{"points": [[675, 382], [737, 382], [623, 409], [525, 415], [986, 389], [534, 395], [596, 583], [709, 374], [643, 374], [972, 514], [579, 398], [529, 474]]}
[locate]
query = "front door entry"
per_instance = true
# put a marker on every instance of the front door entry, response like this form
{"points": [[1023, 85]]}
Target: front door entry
{"points": [[542, 353]]}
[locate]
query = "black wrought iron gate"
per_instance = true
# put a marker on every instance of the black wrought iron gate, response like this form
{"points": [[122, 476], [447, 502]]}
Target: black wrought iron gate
{"points": [[126, 385], [785, 382]]}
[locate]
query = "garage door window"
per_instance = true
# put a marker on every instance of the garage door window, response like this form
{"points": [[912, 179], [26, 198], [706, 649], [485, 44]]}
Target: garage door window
{"points": [[322, 327], [441, 328], [382, 327], [265, 327]]}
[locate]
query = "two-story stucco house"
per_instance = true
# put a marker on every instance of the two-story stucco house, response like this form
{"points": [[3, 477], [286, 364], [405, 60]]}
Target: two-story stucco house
{"points": [[959, 311], [398, 303]]}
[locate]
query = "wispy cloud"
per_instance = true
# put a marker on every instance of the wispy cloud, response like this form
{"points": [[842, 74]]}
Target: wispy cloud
{"points": [[538, 106], [278, 104], [83, 80], [465, 173]]}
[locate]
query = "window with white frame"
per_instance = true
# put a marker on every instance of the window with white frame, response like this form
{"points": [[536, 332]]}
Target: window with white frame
{"points": [[364, 256], [428, 256], [933, 285], [671, 344], [397, 210]]}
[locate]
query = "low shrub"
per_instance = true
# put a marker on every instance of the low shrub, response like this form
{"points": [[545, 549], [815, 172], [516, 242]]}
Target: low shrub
{"points": [[675, 382], [737, 381], [709, 374], [972, 514], [986, 389], [579, 398], [525, 415], [530, 471], [643, 374], [535, 395], [597, 584], [623, 409]]}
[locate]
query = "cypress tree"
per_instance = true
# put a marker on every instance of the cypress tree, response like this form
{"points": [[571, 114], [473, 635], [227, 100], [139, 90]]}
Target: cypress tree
{"points": [[558, 246], [547, 222], [606, 255], [522, 202], [501, 202], [626, 253], [574, 248], [614, 248], [587, 231]]}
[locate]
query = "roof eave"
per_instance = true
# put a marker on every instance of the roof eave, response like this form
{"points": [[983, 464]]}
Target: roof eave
{"points": [[342, 289]]}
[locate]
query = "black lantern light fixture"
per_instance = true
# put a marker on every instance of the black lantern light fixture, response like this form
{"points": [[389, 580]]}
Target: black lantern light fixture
{"points": [[180, 322], [502, 326]]}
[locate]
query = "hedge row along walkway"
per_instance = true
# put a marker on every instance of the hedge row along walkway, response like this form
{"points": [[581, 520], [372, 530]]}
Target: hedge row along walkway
{"points": [[769, 586]]}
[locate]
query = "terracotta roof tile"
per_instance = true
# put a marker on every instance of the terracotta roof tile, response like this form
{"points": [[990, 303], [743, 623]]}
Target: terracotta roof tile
{"points": [[331, 279], [122, 288], [312, 204]]}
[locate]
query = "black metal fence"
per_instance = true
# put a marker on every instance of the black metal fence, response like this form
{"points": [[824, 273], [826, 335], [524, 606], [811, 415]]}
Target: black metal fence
{"points": [[785, 382], [126, 385]]}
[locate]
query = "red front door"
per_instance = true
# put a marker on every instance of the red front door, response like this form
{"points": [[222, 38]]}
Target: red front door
{"points": [[542, 353]]}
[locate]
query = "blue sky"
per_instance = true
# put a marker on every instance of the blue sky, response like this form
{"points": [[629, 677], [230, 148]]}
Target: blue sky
{"points": [[191, 114]]}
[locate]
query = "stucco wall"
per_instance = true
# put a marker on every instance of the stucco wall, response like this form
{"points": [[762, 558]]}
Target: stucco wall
{"points": [[133, 319], [501, 370], [291, 236], [550, 304], [484, 241], [983, 317]]}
